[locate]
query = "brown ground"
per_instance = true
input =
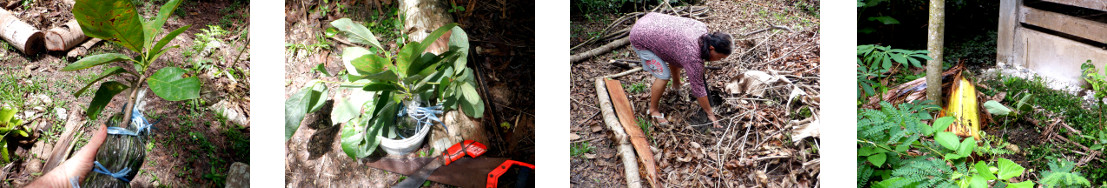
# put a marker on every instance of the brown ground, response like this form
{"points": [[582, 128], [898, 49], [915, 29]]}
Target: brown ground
{"points": [[191, 146], [314, 157], [740, 155]]}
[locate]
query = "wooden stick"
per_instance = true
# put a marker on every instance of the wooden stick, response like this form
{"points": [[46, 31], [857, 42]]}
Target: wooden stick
{"points": [[624, 73], [600, 50], [62, 146], [630, 166], [65, 37], [637, 138], [21, 35]]}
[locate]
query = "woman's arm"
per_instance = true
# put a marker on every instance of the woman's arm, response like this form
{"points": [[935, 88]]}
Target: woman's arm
{"points": [[706, 105]]}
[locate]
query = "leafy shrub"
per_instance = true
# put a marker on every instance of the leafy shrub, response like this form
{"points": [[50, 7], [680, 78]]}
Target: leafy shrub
{"points": [[119, 22], [9, 128], [896, 149], [390, 80], [874, 62], [1061, 174]]}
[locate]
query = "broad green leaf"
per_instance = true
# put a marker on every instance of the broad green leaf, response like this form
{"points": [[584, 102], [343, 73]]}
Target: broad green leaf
{"points": [[460, 40], [170, 84], [360, 61], [153, 27], [356, 141], [995, 108], [966, 147], [1023, 184], [983, 170], [1024, 104], [405, 56], [4, 150], [295, 107], [356, 33], [878, 159], [947, 140], [158, 48], [978, 182], [322, 70], [317, 96], [105, 74], [865, 151], [470, 93], [899, 58], [434, 36], [953, 156], [346, 109], [886, 20], [103, 96], [94, 60], [942, 123], [6, 115], [475, 110], [1008, 169], [380, 86], [111, 20]]}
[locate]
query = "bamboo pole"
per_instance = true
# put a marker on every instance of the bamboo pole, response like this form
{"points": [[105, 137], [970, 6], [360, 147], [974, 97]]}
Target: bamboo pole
{"points": [[630, 165], [21, 35]]}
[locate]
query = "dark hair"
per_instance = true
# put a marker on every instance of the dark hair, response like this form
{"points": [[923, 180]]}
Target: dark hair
{"points": [[721, 42]]}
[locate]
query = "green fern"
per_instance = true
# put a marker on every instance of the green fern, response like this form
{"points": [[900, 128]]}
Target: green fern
{"points": [[1061, 174], [924, 171]]}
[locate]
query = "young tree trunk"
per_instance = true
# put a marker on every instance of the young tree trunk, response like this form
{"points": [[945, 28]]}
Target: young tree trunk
{"points": [[21, 35], [630, 165], [65, 37], [935, 36], [599, 50]]}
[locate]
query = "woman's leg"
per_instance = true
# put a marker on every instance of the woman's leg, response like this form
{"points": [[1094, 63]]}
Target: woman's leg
{"points": [[656, 90], [661, 73], [675, 70]]}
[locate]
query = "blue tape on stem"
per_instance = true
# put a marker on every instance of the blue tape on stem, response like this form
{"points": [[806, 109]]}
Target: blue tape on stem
{"points": [[138, 120], [121, 175], [73, 182]]}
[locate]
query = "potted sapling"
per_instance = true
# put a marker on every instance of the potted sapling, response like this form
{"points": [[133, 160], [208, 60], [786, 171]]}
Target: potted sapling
{"points": [[118, 21], [400, 96]]}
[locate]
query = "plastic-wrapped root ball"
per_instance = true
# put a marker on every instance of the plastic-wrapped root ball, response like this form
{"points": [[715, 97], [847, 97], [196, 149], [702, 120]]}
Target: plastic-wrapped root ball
{"points": [[123, 154]]}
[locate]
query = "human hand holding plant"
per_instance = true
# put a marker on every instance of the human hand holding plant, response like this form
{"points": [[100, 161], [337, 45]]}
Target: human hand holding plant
{"points": [[77, 166]]}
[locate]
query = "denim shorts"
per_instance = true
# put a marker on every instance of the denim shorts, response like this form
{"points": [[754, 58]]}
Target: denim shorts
{"points": [[653, 64]]}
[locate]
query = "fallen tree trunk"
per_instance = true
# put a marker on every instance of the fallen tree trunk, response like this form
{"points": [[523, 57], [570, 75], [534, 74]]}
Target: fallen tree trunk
{"points": [[637, 137], [630, 165], [62, 147], [600, 50], [21, 35], [65, 37]]}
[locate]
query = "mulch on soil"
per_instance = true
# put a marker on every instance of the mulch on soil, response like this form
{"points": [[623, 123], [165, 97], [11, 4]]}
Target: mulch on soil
{"points": [[755, 149]]}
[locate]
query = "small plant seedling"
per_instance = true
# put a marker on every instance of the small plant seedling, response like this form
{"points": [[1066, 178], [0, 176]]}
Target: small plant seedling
{"points": [[579, 149], [119, 22], [9, 127]]}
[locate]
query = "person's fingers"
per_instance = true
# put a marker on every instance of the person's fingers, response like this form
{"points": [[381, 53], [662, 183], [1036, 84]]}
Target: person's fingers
{"points": [[81, 163], [76, 167], [89, 150]]}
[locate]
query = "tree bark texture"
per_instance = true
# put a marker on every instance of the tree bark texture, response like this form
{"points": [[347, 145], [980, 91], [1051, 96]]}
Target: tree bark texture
{"points": [[21, 35], [935, 36]]}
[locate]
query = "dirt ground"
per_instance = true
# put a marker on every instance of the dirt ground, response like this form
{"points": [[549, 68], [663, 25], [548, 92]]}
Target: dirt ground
{"points": [[191, 145], [314, 157], [754, 149]]}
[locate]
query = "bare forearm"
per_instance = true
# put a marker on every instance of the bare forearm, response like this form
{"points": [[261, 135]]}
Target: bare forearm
{"points": [[706, 105]]}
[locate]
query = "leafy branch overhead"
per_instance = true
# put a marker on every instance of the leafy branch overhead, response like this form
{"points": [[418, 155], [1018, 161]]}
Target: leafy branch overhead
{"points": [[119, 21], [386, 80]]}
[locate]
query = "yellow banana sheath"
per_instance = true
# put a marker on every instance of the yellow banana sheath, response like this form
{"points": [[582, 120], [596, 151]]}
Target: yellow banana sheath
{"points": [[962, 106]]}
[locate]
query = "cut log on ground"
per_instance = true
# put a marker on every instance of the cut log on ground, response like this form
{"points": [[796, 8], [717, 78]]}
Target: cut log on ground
{"points": [[637, 137], [21, 35], [600, 50], [65, 37], [83, 48], [630, 165]]}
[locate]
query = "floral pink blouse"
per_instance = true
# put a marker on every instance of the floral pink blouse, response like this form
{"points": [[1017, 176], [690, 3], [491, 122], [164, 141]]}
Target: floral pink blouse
{"points": [[675, 40]]}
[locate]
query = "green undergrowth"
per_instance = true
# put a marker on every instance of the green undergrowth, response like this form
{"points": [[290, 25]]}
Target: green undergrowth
{"points": [[1069, 108]]}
